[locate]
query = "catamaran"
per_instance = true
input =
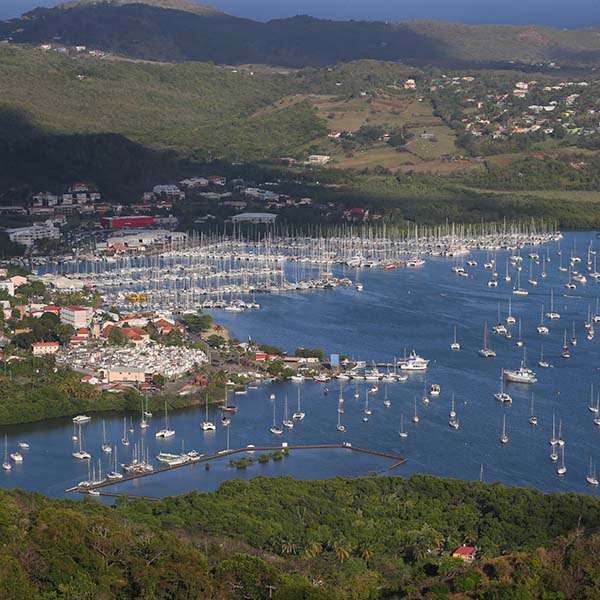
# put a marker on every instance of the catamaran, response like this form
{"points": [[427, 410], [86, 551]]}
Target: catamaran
{"points": [[207, 425], [501, 395], [552, 314], [166, 432], [79, 419], [115, 473], [81, 454]]}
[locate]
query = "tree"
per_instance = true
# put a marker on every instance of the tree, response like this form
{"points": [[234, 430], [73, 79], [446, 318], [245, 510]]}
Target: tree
{"points": [[117, 338]]}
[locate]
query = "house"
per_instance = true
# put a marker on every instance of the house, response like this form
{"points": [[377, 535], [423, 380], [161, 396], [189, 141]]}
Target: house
{"points": [[217, 180], [318, 159], [170, 191], [465, 553], [43, 348], [410, 84], [194, 182]]}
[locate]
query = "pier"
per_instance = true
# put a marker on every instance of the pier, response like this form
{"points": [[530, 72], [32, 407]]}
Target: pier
{"points": [[100, 486]]}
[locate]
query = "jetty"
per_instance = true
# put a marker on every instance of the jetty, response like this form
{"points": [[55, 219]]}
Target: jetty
{"points": [[100, 487]]}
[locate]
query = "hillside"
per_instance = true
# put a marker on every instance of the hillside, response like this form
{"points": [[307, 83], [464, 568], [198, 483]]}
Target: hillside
{"points": [[314, 540], [175, 30]]}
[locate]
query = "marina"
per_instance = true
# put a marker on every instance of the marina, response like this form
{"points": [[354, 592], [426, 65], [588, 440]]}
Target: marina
{"points": [[399, 311]]}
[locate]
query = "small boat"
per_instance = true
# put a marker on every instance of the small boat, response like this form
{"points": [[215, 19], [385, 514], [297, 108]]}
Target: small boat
{"points": [[591, 478], [533, 420], [435, 389], [359, 287], [225, 421], [454, 345], [402, 432], [16, 457], [79, 419], [23, 445], [504, 437], [454, 423]]}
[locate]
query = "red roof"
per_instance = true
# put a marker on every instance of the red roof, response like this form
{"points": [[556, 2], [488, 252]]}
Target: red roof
{"points": [[74, 308], [44, 345], [54, 309], [465, 551]]}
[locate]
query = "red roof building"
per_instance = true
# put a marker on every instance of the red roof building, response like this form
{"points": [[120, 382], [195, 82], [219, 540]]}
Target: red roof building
{"points": [[465, 553]]}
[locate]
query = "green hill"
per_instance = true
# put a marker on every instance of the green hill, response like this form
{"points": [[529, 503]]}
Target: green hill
{"points": [[175, 30]]}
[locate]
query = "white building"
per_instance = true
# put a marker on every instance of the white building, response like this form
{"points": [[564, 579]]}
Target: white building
{"points": [[29, 235], [318, 159], [77, 316], [170, 191], [254, 218], [42, 348]]}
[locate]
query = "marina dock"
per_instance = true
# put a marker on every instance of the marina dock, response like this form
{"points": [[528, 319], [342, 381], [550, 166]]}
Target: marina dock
{"points": [[100, 486]]}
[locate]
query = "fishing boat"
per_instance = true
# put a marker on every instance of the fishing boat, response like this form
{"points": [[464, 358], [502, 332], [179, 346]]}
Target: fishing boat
{"points": [[106, 447], [552, 314], [521, 375], [533, 420], [501, 395], [81, 454], [125, 439], [542, 329], [287, 422], [454, 345], [275, 429], [80, 419], [591, 478], [510, 318], [562, 469], [486, 352], [402, 432], [565, 349], [415, 418], [166, 433], [207, 425], [298, 415], [414, 362], [504, 437]]}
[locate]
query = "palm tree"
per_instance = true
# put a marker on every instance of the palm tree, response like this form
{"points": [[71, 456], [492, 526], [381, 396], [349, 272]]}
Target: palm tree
{"points": [[288, 546], [341, 550], [365, 550]]}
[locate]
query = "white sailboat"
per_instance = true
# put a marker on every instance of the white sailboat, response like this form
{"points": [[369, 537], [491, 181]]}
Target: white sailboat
{"points": [[166, 432], [452, 412], [542, 362], [115, 473], [81, 454], [402, 432], [367, 411], [520, 338], [454, 345], [415, 418], [591, 478], [533, 420], [501, 395], [275, 429], [6, 464], [573, 337], [125, 438], [552, 314], [592, 407], [510, 318], [560, 440], [207, 425], [287, 422], [106, 447], [143, 423], [562, 469], [565, 349], [542, 329], [504, 437], [486, 352], [518, 290], [298, 415], [340, 427]]}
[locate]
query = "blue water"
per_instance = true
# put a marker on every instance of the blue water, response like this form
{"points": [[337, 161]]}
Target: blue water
{"points": [[402, 308]]}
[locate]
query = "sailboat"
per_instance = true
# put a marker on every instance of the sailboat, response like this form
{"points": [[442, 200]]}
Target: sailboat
{"points": [[518, 290], [425, 399], [591, 478], [143, 422], [573, 338], [74, 437], [131, 428], [533, 420], [532, 280], [559, 440], [125, 439], [506, 274], [6, 464], [386, 401], [510, 318], [565, 349], [81, 454], [298, 415], [452, 412], [275, 429], [402, 433], [501, 395], [486, 352], [542, 362], [552, 314], [553, 440], [562, 469], [166, 432], [115, 473], [520, 338], [415, 415], [592, 407], [453, 422], [500, 328], [591, 333], [367, 411], [106, 447], [454, 345], [340, 427], [287, 422], [207, 425], [542, 329], [356, 394], [504, 437]]}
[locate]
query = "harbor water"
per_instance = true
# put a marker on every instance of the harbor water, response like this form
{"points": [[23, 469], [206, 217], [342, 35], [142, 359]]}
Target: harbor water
{"points": [[401, 309]]}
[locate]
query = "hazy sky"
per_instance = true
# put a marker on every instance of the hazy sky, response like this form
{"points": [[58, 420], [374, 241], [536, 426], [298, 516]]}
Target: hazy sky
{"points": [[575, 13]]}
